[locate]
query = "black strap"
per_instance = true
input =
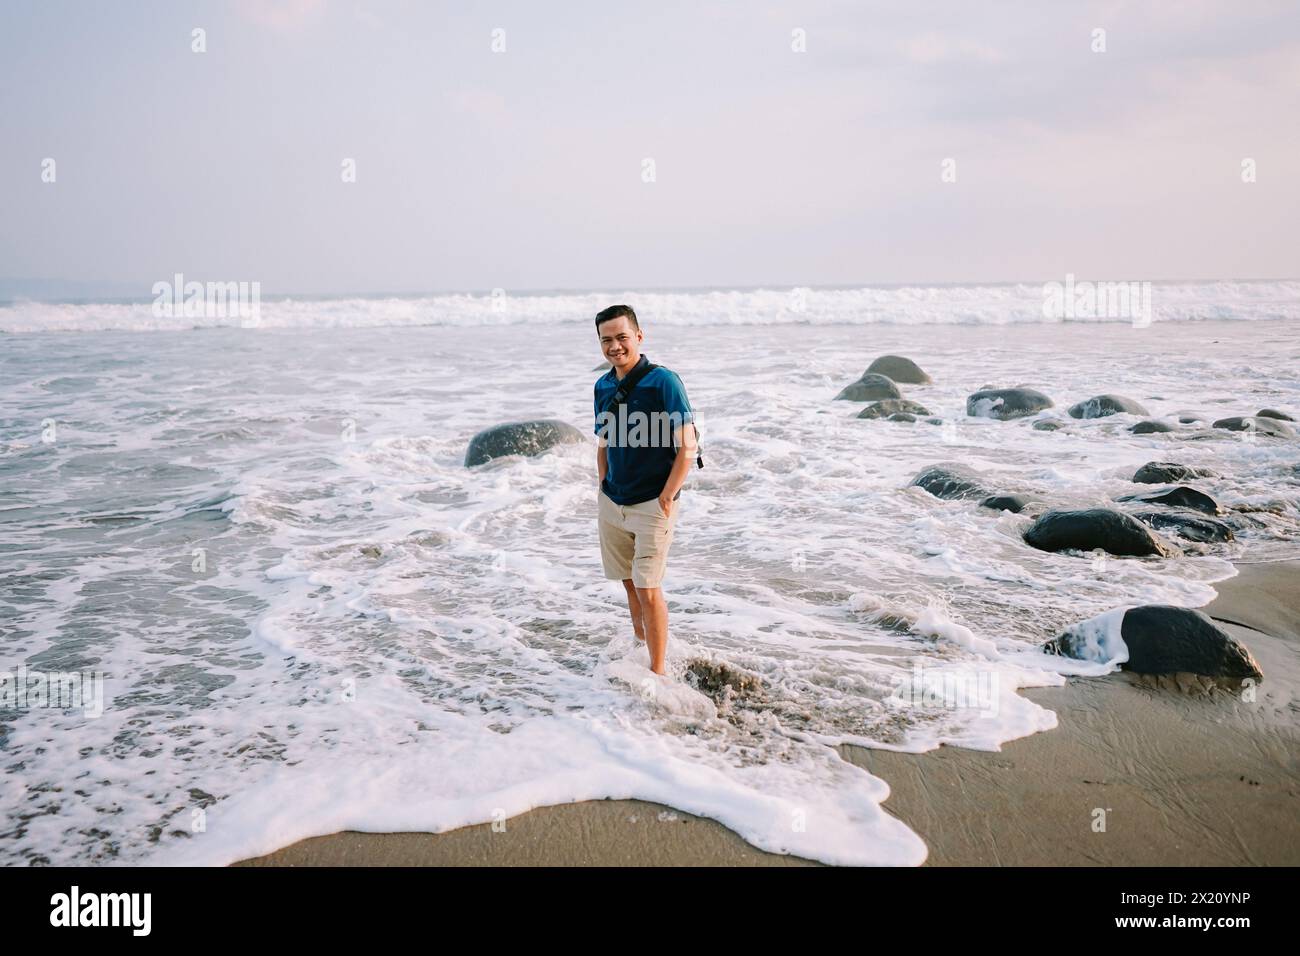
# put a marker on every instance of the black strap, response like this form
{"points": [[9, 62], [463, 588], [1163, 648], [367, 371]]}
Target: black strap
{"points": [[629, 382]]}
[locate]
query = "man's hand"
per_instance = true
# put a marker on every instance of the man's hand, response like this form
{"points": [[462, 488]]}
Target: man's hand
{"points": [[666, 504]]}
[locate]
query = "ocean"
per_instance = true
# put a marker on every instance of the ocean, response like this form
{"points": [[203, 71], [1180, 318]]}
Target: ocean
{"points": [[310, 616]]}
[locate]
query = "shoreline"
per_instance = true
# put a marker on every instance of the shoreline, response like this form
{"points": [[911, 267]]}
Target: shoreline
{"points": [[1180, 776]]}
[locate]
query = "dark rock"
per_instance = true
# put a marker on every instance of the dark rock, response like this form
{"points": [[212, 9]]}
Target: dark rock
{"points": [[602, 367], [1180, 497], [1006, 403], [892, 406], [899, 369], [951, 481], [1262, 426], [1093, 528], [870, 388], [520, 438], [1149, 426], [901, 417], [1049, 425], [1099, 406], [1013, 503], [1188, 524], [1163, 639], [1164, 472], [1273, 413]]}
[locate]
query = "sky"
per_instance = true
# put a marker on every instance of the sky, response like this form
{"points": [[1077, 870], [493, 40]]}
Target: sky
{"points": [[526, 167]]}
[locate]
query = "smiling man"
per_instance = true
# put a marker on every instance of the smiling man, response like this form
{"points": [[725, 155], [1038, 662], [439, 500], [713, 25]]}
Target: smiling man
{"points": [[646, 443]]}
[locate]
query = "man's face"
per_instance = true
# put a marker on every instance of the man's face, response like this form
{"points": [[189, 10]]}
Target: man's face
{"points": [[621, 342]]}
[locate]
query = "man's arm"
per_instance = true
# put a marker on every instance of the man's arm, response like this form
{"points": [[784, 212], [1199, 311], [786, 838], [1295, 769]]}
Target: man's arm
{"points": [[684, 438], [602, 458]]}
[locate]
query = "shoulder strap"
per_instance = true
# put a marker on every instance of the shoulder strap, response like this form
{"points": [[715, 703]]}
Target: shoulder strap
{"points": [[629, 382]]}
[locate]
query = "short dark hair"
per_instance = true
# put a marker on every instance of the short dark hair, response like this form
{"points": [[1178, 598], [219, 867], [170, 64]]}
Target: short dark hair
{"points": [[613, 312]]}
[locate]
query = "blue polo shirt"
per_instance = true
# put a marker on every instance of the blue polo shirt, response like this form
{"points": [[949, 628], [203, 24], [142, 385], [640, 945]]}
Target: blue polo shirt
{"points": [[640, 452]]}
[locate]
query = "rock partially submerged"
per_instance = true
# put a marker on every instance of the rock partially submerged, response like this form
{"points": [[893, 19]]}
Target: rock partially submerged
{"points": [[1048, 425], [1179, 497], [520, 438], [1012, 503], [1006, 403], [1191, 525], [893, 406], [1093, 528], [1274, 413], [1165, 472], [1150, 426], [951, 481], [1263, 426], [899, 369], [1164, 639], [870, 388], [1099, 406]]}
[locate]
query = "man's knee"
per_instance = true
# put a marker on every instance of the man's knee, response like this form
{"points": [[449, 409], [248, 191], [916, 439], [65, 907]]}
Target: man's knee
{"points": [[650, 595]]}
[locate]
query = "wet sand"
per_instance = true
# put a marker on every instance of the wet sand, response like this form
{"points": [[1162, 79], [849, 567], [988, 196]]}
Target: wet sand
{"points": [[1137, 773]]}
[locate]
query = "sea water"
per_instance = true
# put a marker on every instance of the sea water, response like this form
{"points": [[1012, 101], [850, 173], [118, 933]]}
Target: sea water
{"points": [[309, 616]]}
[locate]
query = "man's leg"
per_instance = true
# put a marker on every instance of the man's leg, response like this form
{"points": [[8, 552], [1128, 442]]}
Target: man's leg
{"points": [[654, 618], [634, 607]]}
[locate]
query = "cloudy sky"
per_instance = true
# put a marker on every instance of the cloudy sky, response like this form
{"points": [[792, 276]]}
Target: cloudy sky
{"points": [[525, 169]]}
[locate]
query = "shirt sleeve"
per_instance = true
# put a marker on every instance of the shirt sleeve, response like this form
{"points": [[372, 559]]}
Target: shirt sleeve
{"points": [[675, 400]]}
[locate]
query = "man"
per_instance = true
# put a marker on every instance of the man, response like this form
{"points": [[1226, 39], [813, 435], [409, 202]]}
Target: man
{"points": [[641, 473]]}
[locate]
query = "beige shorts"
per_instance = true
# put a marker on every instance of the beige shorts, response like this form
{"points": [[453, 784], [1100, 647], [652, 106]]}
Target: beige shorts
{"points": [[634, 540]]}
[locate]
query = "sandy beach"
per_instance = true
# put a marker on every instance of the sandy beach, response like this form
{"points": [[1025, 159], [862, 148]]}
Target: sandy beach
{"points": [[1186, 775]]}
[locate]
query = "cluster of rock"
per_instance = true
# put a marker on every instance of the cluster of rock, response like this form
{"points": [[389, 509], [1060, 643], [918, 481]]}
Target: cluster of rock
{"points": [[1160, 639], [879, 385]]}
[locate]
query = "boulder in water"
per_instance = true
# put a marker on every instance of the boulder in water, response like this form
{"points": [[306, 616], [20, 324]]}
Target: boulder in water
{"points": [[1164, 639], [1006, 403], [892, 406], [1092, 528], [520, 438], [1275, 414], [1048, 425], [1179, 497], [1012, 503], [870, 388], [900, 369], [950, 480], [1191, 525], [1165, 472], [1150, 426], [1263, 426], [1099, 406]]}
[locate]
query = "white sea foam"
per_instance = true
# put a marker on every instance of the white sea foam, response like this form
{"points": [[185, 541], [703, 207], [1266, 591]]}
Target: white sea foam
{"points": [[383, 639], [1006, 304]]}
